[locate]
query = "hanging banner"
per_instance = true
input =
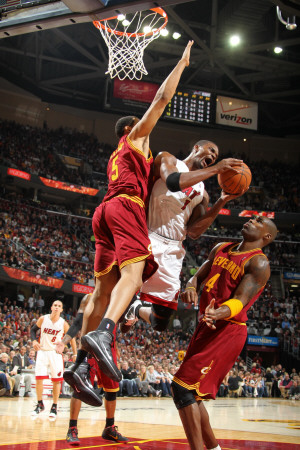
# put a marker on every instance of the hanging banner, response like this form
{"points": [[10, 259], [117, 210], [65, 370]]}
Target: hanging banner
{"points": [[24, 275], [68, 186], [82, 288], [235, 112], [250, 213], [18, 173]]}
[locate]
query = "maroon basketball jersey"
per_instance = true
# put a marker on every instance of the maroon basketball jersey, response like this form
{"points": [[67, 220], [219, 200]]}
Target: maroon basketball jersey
{"points": [[225, 275], [129, 172]]}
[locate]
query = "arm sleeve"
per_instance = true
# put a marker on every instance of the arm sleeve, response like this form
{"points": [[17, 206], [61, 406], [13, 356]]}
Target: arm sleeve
{"points": [[172, 182], [76, 325], [33, 331]]}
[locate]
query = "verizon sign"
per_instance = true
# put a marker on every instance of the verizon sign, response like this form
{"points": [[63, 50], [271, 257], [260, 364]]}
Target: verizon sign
{"points": [[238, 113]]}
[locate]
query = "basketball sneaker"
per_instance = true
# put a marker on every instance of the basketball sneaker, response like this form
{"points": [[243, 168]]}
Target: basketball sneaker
{"points": [[39, 408], [78, 377], [130, 317], [112, 434], [99, 344], [72, 436], [53, 413]]}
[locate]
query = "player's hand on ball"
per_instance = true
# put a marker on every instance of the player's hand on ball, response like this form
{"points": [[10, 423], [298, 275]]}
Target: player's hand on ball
{"points": [[59, 347], [210, 315], [229, 164], [190, 296], [227, 197]]}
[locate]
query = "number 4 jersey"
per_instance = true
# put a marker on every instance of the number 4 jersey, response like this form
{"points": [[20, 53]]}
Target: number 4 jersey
{"points": [[51, 333], [225, 275]]}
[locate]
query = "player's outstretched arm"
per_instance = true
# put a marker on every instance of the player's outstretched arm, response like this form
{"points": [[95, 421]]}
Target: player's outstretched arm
{"points": [[257, 273], [190, 295], [165, 167], [163, 96], [202, 218]]}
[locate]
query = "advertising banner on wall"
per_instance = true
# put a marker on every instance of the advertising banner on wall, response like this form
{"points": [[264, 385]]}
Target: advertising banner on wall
{"points": [[263, 340], [235, 112]]}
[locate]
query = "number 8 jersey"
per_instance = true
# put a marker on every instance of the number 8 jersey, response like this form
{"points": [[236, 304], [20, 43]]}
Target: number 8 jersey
{"points": [[51, 333]]}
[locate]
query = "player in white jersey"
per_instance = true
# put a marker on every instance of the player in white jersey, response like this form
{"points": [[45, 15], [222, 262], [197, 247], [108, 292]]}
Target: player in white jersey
{"points": [[52, 329], [177, 208]]}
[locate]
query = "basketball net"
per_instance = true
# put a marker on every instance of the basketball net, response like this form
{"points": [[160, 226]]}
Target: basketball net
{"points": [[126, 47]]}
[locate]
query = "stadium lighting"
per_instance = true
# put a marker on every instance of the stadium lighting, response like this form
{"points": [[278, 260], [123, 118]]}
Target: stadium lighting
{"points": [[176, 35], [147, 29], [277, 50], [234, 40], [125, 23], [121, 17], [164, 32]]}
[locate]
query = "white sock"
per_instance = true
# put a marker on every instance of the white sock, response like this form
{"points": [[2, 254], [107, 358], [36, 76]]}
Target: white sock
{"points": [[216, 448]]}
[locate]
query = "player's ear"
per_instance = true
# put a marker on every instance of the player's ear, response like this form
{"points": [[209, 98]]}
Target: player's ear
{"points": [[267, 237]]}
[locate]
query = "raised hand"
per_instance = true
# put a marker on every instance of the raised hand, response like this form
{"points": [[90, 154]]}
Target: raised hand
{"points": [[187, 52], [228, 164]]}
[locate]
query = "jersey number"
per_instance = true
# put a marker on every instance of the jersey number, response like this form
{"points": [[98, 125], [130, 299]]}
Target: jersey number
{"points": [[115, 169], [53, 339], [211, 282]]}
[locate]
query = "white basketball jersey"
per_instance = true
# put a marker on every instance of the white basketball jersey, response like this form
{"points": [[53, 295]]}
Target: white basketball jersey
{"points": [[169, 212], [51, 333]]}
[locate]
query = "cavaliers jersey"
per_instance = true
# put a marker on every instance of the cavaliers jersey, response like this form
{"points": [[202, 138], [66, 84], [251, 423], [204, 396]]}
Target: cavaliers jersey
{"points": [[51, 333], [129, 172], [169, 212], [225, 275]]}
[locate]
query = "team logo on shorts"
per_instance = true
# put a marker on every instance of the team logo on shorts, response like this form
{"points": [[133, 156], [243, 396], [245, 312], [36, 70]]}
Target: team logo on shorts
{"points": [[150, 248], [205, 370], [59, 374]]}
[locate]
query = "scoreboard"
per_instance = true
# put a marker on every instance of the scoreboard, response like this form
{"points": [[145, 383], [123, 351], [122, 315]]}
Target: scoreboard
{"points": [[187, 105], [190, 105]]}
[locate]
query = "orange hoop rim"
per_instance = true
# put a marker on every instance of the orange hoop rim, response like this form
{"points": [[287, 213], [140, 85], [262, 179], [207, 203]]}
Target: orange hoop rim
{"points": [[158, 10]]}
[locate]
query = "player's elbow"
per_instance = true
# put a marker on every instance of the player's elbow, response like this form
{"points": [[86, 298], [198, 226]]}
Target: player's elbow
{"points": [[193, 234]]}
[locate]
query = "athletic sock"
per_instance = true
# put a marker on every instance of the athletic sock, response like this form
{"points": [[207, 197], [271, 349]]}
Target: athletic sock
{"points": [[81, 355], [72, 423], [107, 325], [109, 422], [40, 402], [216, 448], [54, 404]]}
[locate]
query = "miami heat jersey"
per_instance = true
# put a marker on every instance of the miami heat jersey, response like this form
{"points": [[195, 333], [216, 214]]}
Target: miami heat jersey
{"points": [[169, 212], [225, 275], [129, 172], [51, 333]]}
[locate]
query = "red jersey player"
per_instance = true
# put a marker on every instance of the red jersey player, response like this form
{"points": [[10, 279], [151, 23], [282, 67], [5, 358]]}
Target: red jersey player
{"points": [[232, 277], [123, 250]]}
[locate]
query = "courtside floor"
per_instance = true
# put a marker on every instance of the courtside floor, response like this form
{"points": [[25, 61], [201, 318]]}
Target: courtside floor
{"points": [[248, 423]]}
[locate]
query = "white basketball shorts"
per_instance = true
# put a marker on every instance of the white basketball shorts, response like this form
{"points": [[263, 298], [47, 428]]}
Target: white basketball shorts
{"points": [[164, 286], [49, 362]]}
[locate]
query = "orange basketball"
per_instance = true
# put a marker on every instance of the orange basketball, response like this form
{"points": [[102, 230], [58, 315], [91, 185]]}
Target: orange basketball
{"points": [[235, 182]]}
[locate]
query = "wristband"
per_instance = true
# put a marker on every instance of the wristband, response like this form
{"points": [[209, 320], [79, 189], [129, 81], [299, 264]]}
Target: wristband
{"points": [[235, 305], [190, 287]]}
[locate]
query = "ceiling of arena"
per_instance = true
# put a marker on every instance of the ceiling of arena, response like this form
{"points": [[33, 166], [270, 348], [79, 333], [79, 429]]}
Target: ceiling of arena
{"points": [[68, 64]]}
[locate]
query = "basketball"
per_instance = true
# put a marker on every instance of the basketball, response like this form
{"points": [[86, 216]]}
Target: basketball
{"points": [[235, 182]]}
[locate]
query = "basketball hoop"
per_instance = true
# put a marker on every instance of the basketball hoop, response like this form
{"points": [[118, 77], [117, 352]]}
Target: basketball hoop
{"points": [[126, 47]]}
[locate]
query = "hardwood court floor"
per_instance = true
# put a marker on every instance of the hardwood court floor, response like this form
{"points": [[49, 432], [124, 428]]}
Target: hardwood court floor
{"points": [[250, 424]]}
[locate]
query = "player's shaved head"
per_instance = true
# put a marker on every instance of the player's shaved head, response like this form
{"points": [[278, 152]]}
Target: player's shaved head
{"points": [[203, 142], [272, 229]]}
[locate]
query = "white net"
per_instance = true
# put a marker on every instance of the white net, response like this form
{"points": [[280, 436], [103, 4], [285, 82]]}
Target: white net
{"points": [[127, 38]]}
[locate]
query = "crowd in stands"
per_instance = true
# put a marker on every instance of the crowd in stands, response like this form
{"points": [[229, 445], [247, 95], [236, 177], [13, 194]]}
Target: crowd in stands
{"points": [[50, 244], [38, 151], [148, 359]]}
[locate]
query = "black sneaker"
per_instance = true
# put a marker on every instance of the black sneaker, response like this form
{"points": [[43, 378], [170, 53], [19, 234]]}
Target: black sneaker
{"points": [[130, 317], [39, 408], [112, 434], [53, 413], [72, 436], [78, 377], [99, 343]]}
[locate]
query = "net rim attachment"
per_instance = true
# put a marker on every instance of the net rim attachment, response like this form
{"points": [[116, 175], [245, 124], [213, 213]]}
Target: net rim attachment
{"points": [[98, 24]]}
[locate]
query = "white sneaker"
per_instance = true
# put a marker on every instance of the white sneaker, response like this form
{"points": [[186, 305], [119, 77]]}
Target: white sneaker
{"points": [[53, 413]]}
